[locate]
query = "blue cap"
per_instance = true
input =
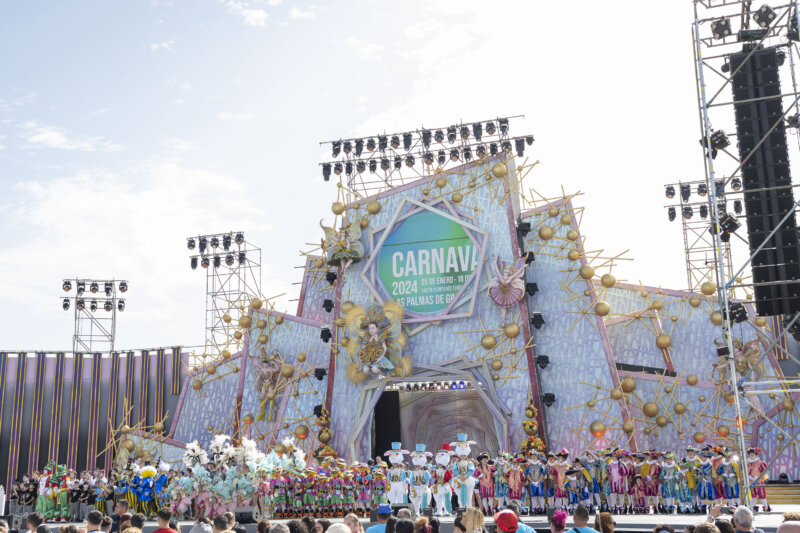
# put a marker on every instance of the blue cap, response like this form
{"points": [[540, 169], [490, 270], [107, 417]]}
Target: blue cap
{"points": [[461, 437], [420, 447], [384, 508], [397, 445]]}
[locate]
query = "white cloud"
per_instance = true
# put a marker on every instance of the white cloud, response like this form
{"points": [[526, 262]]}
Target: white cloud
{"points": [[274, 3], [18, 101], [239, 117], [39, 135], [174, 144], [169, 46], [365, 51], [296, 13], [251, 16]]}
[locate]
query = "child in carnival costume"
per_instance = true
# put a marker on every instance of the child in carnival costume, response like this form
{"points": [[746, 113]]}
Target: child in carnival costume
{"points": [[363, 481], [684, 494], [379, 484], [592, 463], [729, 472], [652, 475], [502, 467], [560, 479], [704, 478], [516, 481], [719, 483], [582, 483], [45, 503], [627, 461], [535, 474], [309, 492], [398, 476], [419, 479], [617, 473], [692, 462], [756, 468], [147, 491], [484, 473], [441, 491], [463, 481], [639, 494], [349, 493], [669, 482], [323, 495], [58, 492]]}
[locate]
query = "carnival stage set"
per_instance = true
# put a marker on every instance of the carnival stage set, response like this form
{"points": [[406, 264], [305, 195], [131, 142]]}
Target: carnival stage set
{"points": [[453, 297]]}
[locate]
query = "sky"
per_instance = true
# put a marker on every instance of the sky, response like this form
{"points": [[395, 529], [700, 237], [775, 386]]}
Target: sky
{"points": [[126, 127]]}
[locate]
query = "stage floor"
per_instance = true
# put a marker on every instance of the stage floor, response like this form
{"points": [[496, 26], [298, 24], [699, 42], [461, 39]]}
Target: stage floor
{"points": [[634, 523]]}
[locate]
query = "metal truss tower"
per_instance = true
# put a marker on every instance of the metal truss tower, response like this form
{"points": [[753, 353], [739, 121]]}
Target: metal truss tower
{"points": [[95, 306]]}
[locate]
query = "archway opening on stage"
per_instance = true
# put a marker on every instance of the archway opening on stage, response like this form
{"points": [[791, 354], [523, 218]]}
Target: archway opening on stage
{"points": [[432, 413]]}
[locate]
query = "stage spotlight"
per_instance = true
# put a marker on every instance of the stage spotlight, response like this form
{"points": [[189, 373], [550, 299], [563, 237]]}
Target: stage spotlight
{"points": [[702, 190], [67, 285], [330, 277], [65, 304], [480, 151], [529, 140], [542, 361], [537, 320], [123, 286], [108, 306], [226, 241], [467, 154], [214, 242], [361, 167], [451, 134], [670, 192], [519, 146], [738, 312], [371, 144], [729, 224], [107, 287], [548, 399], [490, 128], [454, 155], [204, 262], [80, 304], [325, 335], [409, 161], [348, 168], [242, 257], [464, 133], [347, 147], [686, 192], [721, 28], [427, 158], [229, 260], [671, 213], [531, 288], [407, 141], [703, 211], [327, 305], [239, 239], [764, 16], [462, 385], [687, 212], [737, 207], [373, 166], [453, 386], [193, 263], [190, 244], [438, 136], [337, 169], [336, 147], [438, 386], [398, 162], [203, 243], [395, 143], [477, 131], [121, 305], [722, 207], [320, 373], [529, 258], [93, 306], [506, 146], [736, 184], [318, 410], [415, 388], [430, 386], [94, 287], [493, 149], [441, 157], [217, 261], [523, 228], [426, 138], [359, 147], [385, 163], [81, 287], [326, 171], [503, 122]]}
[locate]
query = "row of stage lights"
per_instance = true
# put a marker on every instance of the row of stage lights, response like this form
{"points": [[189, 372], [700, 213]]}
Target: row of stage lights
{"points": [[763, 16], [206, 261], [80, 303], [213, 241], [702, 189], [205, 242], [94, 288], [432, 386], [688, 211]]}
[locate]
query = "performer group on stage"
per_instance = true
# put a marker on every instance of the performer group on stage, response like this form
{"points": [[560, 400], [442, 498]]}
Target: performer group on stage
{"points": [[286, 486]]}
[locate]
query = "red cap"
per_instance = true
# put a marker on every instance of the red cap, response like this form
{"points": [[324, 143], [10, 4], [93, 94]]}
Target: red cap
{"points": [[506, 520], [446, 448]]}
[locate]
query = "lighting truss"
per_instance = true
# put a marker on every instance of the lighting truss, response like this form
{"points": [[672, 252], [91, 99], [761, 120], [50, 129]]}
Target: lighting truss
{"points": [[95, 321], [415, 154]]}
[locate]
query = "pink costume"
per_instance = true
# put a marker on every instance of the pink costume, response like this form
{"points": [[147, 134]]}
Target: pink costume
{"points": [[653, 484], [559, 474], [639, 494], [756, 469], [516, 483], [485, 475], [616, 476]]}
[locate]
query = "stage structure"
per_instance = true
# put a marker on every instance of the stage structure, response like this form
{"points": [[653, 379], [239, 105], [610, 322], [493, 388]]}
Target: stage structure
{"points": [[742, 53], [233, 277], [95, 307]]}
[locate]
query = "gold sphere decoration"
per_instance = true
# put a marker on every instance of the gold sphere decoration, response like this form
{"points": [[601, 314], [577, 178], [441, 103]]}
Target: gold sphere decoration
{"points": [[261, 324], [545, 233], [699, 437], [457, 197], [573, 255], [499, 170], [211, 369], [608, 280], [373, 207], [319, 263], [628, 427], [650, 409], [226, 354], [587, 292], [779, 436], [301, 357], [301, 431], [497, 365], [364, 223], [124, 429], [661, 421], [552, 211], [337, 208], [262, 339], [128, 444], [340, 322], [572, 235], [324, 435], [347, 305], [787, 404], [158, 427], [590, 404], [771, 395], [587, 272], [237, 335], [245, 321], [716, 318], [511, 330], [616, 394], [761, 321], [226, 318], [271, 394], [730, 398], [663, 341], [287, 370], [658, 305], [495, 376], [602, 308], [702, 398], [489, 341], [723, 431], [597, 428], [197, 385], [668, 390], [694, 301], [628, 384], [646, 431], [566, 219], [279, 448], [441, 182], [256, 303], [679, 408], [248, 419], [708, 288], [691, 379]]}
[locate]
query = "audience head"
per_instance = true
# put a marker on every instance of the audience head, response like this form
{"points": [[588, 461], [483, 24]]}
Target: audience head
{"points": [[122, 507], [791, 516], [279, 528], [706, 528], [743, 518], [603, 522], [94, 518], [434, 523], [581, 516], [220, 524], [790, 526], [106, 524], [321, 526], [338, 528], [405, 512], [296, 526], [472, 520], [263, 526], [559, 521], [664, 528], [390, 522], [353, 523], [230, 517], [164, 516], [34, 520], [404, 525], [137, 520]]}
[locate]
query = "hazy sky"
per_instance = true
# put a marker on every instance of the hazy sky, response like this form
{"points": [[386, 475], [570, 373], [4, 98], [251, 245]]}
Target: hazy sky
{"points": [[127, 126]]}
